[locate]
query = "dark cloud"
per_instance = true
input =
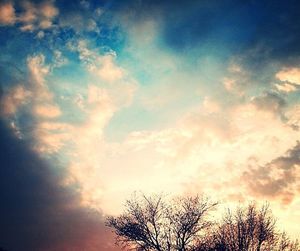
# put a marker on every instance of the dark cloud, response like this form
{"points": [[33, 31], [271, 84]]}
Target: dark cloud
{"points": [[262, 30], [37, 213], [278, 178], [214, 25], [271, 102], [258, 31]]}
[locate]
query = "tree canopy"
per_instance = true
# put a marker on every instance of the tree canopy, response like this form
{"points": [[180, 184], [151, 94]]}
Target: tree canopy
{"points": [[186, 224], [149, 223]]}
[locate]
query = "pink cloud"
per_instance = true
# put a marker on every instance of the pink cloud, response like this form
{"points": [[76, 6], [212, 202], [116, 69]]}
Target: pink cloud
{"points": [[47, 111], [48, 10], [7, 14]]}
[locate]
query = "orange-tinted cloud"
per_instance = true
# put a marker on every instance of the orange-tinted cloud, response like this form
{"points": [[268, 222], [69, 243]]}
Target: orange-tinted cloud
{"points": [[7, 14], [33, 16], [16, 97], [47, 111]]}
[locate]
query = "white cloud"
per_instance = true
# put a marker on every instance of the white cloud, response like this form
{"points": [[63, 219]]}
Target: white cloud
{"points": [[285, 87], [107, 70], [85, 140], [237, 79], [44, 109], [291, 75], [59, 59], [189, 155], [40, 34], [38, 71], [210, 105], [229, 84], [37, 90], [103, 66], [48, 135], [27, 27], [293, 116]]}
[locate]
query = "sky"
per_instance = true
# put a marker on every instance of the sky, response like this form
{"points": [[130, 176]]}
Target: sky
{"points": [[99, 99]]}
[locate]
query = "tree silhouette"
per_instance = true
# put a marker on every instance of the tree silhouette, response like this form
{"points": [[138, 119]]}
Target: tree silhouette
{"points": [[184, 224], [150, 223], [247, 229]]}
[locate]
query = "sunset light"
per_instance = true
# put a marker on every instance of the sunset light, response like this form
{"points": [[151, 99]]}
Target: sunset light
{"points": [[102, 99]]}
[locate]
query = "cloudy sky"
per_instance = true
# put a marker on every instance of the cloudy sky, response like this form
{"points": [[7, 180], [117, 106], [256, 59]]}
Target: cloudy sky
{"points": [[99, 99]]}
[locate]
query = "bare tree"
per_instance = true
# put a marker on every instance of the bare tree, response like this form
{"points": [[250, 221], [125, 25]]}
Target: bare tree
{"points": [[284, 243], [245, 229], [248, 229], [183, 224], [150, 223]]}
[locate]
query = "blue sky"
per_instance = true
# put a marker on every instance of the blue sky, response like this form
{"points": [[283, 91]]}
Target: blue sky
{"points": [[103, 98]]}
